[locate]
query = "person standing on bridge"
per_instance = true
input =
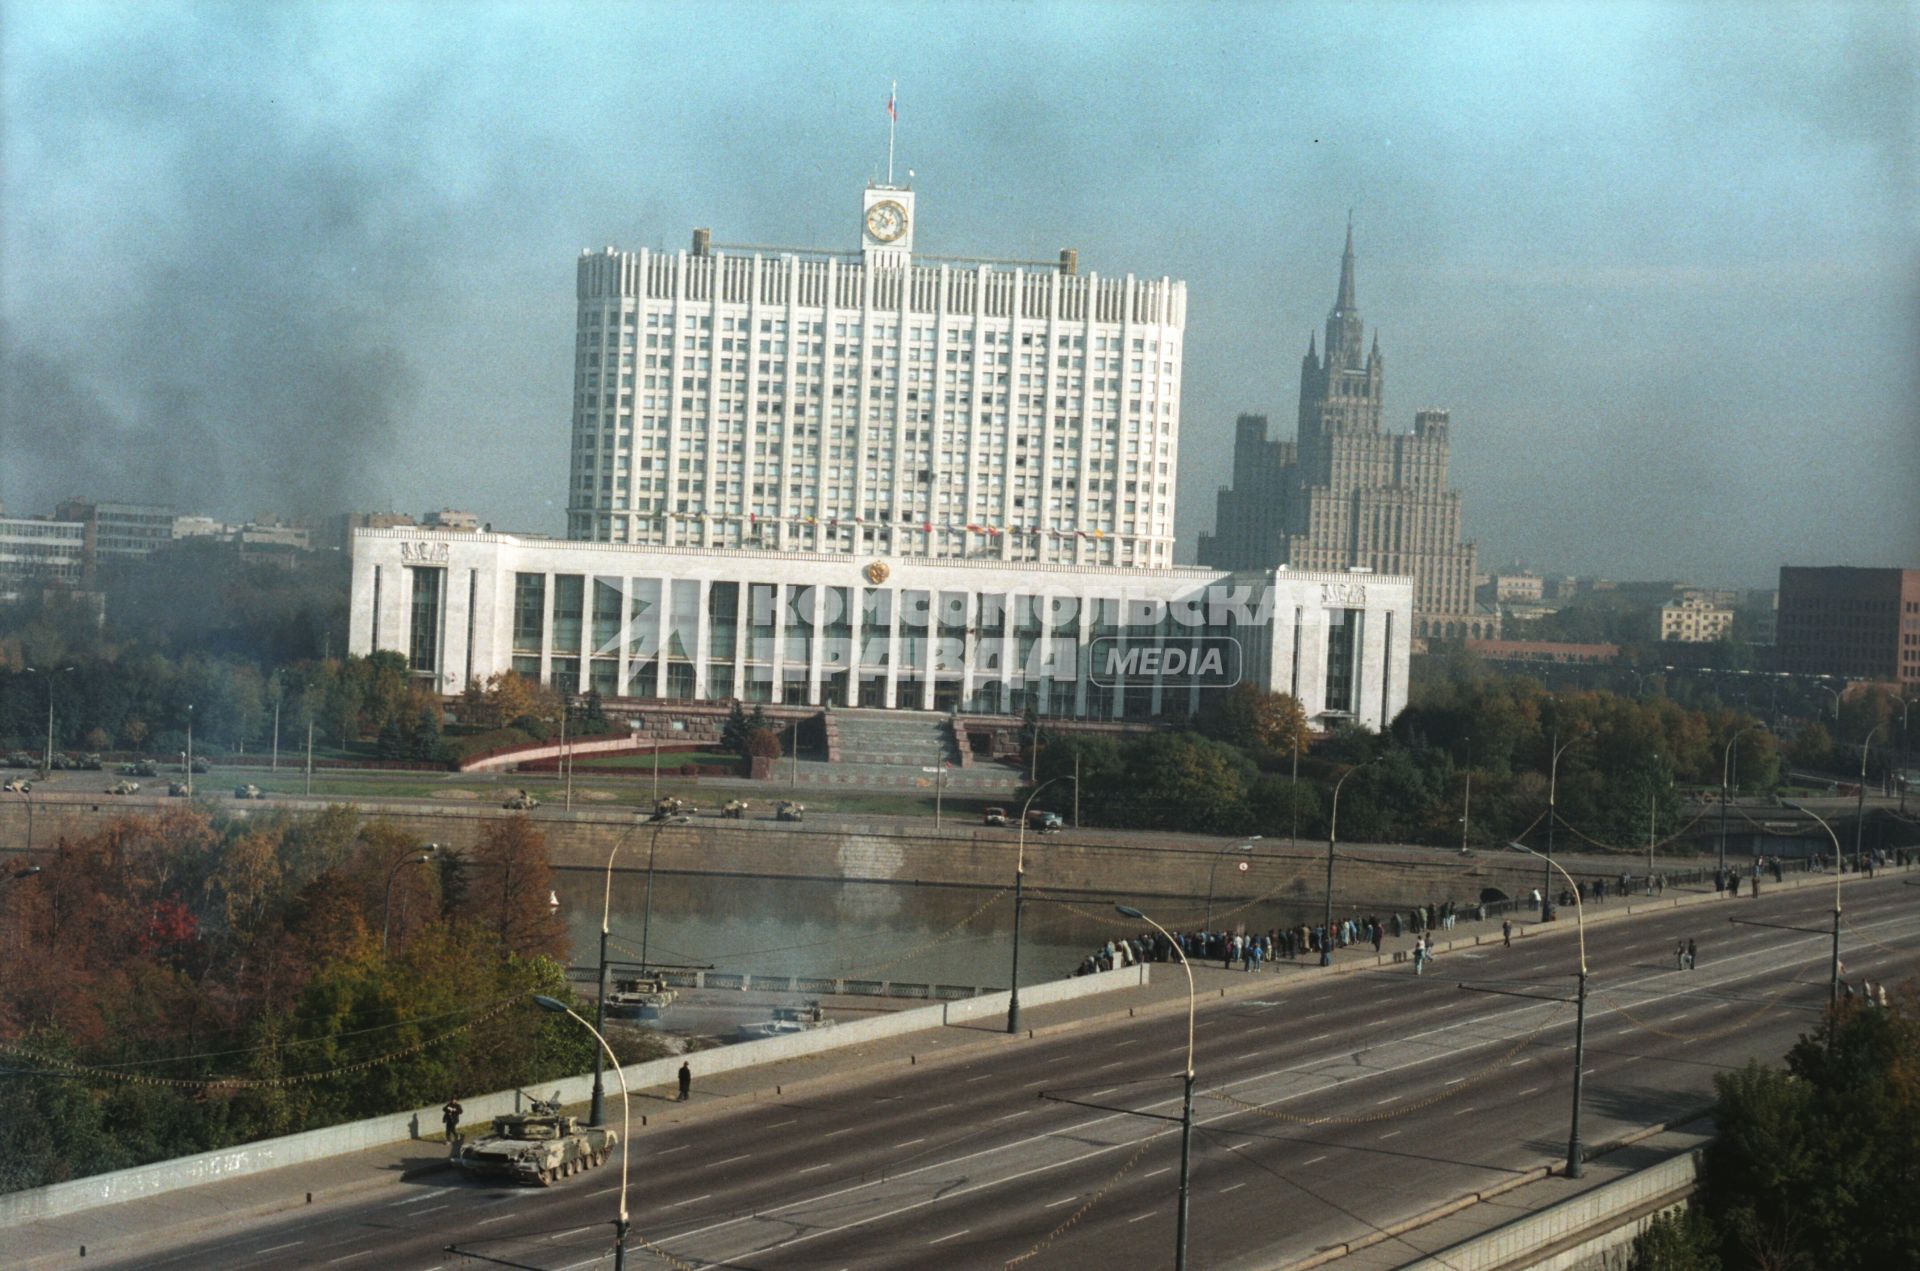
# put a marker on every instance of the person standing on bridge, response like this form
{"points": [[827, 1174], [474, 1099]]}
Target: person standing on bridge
{"points": [[1679, 955], [1506, 933], [1693, 955], [450, 1117], [686, 1081]]}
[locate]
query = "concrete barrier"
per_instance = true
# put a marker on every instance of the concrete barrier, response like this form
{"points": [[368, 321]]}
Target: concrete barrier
{"points": [[1566, 1235], [357, 1136]]}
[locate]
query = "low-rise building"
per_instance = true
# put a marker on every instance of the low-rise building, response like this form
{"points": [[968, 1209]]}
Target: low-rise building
{"points": [[1696, 617], [905, 633], [35, 551], [120, 531]]}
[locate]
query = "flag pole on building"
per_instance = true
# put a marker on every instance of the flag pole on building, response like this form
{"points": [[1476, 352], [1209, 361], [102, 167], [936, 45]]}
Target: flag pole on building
{"points": [[893, 117]]}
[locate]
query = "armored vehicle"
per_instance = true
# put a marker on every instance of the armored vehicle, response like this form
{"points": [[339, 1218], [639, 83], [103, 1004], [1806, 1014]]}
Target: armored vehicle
{"points": [[143, 768], [124, 787], [789, 811], [249, 792], [668, 808], [537, 1146], [521, 802], [178, 790], [735, 809], [21, 759], [19, 785], [633, 998]]}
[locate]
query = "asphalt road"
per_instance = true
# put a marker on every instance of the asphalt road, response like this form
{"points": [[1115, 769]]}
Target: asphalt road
{"points": [[1323, 1112]]}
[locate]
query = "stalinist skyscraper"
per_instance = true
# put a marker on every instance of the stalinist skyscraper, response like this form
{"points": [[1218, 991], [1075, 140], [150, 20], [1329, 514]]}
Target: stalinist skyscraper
{"points": [[1346, 493]]}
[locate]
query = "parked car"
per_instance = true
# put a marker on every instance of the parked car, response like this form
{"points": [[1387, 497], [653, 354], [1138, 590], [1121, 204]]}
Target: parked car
{"points": [[19, 785], [789, 811], [1044, 822], [249, 792], [124, 787], [996, 816]]}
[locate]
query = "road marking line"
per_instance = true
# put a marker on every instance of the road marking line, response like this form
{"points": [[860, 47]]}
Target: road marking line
{"points": [[955, 1235], [496, 1218], [1516, 1063], [430, 1208], [1320, 1038], [277, 1248], [1456, 1081], [911, 1142], [1316, 1160], [985, 1076], [1529, 1090], [414, 1200], [1143, 1217], [1390, 1134], [796, 1121], [731, 1159], [1162, 1170], [1056, 1204], [842, 1130], [1389, 1099], [577, 1231], [349, 1257], [1235, 1147], [666, 1151], [1109, 1090], [1505, 1017], [1236, 1187], [1011, 1115], [1462, 1112], [692, 1201], [1252, 1054]]}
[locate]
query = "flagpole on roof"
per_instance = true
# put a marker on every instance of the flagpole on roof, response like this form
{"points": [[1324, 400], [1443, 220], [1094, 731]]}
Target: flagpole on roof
{"points": [[893, 117]]}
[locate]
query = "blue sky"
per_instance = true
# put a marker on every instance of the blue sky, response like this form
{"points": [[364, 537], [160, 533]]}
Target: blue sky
{"points": [[1659, 260]]}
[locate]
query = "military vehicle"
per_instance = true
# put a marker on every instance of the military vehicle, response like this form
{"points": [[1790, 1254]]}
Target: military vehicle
{"points": [[19, 785], [995, 816], [790, 811], [249, 792], [124, 787], [144, 768], [178, 790], [668, 808], [635, 997], [521, 802], [537, 1146], [21, 759], [735, 809]]}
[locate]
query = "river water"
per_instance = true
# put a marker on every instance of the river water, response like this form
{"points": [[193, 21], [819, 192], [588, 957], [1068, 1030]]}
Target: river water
{"points": [[871, 930]]}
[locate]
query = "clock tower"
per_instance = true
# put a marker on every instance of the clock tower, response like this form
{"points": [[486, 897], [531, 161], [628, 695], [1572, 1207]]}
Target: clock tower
{"points": [[886, 226]]}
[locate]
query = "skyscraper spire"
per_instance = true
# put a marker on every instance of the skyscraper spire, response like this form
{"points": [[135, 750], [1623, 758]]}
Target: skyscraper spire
{"points": [[1344, 304]]}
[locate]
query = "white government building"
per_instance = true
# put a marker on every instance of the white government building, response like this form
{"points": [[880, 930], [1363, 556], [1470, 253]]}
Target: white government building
{"points": [[861, 480]]}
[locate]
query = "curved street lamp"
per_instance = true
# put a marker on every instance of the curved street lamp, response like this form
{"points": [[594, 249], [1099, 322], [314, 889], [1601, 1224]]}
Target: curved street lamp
{"points": [[386, 905], [1553, 796], [597, 1112], [1576, 1164], [1726, 762], [1019, 902], [51, 671], [1214, 869], [1833, 974], [1333, 823], [1860, 813], [1186, 1100], [626, 1121]]}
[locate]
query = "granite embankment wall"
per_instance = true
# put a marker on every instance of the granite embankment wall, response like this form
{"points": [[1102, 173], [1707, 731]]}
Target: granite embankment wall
{"points": [[906, 852]]}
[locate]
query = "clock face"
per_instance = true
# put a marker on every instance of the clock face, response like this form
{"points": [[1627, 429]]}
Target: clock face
{"points": [[886, 221]]}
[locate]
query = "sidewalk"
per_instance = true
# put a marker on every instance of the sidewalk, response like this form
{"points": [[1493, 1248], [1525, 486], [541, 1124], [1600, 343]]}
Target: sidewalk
{"points": [[232, 1204]]}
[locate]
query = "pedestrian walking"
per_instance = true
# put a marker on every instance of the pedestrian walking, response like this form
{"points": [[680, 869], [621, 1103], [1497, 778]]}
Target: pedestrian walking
{"points": [[1679, 955], [1506, 933], [1693, 955], [686, 1081], [450, 1117]]}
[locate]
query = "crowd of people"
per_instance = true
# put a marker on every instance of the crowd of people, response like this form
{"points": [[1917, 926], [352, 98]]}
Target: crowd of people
{"points": [[1249, 951]]}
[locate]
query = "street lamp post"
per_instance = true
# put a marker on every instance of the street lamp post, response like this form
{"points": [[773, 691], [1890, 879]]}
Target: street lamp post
{"points": [[27, 797], [1293, 797], [1019, 903], [1553, 794], [189, 754], [46, 766], [1214, 869], [1728, 762], [386, 905], [1576, 1164], [626, 1122], [597, 1114], [1833, 973], [1906, 753], [1333, 825], [1186, 1099], [1860, 811]]}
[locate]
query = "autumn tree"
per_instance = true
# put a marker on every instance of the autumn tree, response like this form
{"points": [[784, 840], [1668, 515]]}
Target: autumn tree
{"points": [[507, 887]]}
